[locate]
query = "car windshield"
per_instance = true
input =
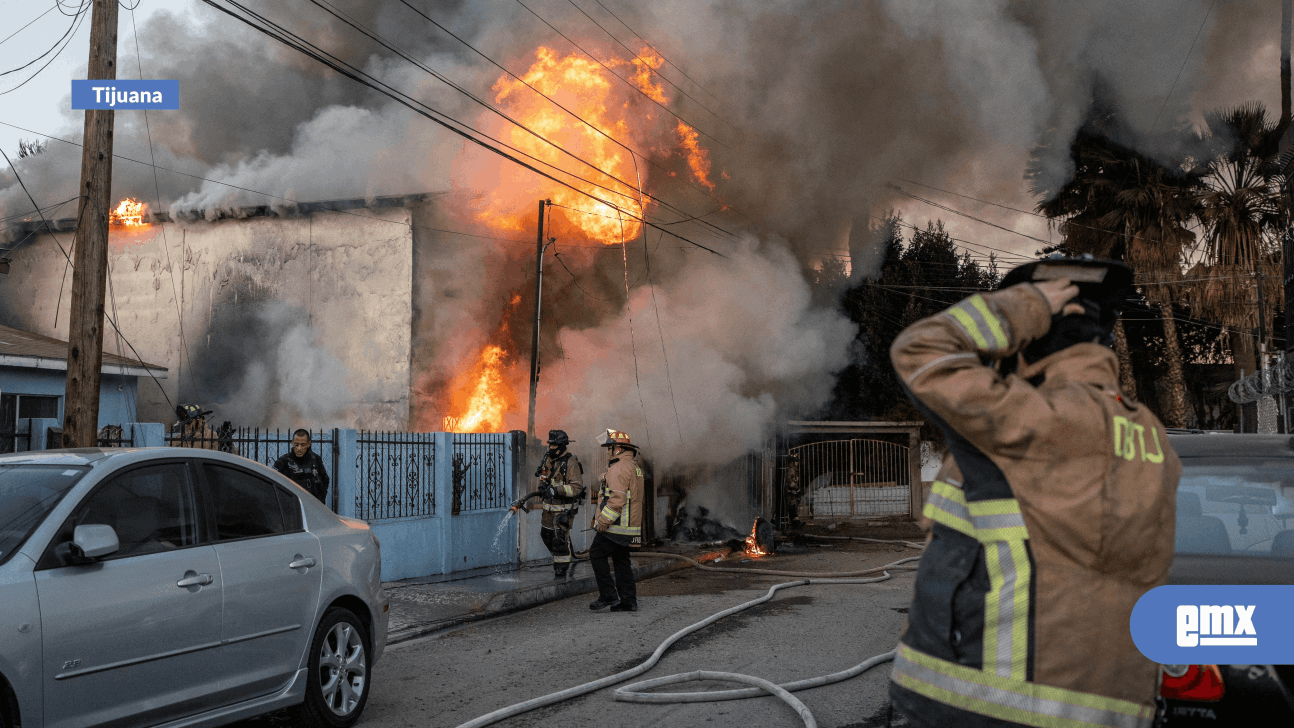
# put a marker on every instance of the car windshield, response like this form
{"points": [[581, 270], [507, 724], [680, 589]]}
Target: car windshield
{"points": [[27, 494], [1236, 507]]}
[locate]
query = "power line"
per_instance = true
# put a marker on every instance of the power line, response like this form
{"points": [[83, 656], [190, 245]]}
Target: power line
{"points": [[38, 17], [306, 48], [669, 379], [655, 50], [613, 73], [559, 105], [955, 211], [65, 40], [106, 317], [1183, 68], [166, 245], [645, 62]]}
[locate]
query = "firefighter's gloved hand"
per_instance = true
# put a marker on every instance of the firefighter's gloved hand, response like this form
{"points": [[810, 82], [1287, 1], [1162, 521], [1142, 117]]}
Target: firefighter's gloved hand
{"points": [[601, 527], [546, 491]]}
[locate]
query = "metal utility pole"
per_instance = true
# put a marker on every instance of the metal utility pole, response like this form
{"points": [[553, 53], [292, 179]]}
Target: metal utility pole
{"points": [[540, 247], [89, 278]]}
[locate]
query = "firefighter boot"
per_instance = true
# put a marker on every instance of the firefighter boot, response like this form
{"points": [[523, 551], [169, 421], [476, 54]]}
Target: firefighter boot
{"points": [[559, 570]]}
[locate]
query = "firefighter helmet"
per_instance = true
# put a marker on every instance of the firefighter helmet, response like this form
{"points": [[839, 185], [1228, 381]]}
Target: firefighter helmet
{"points": [[558, 438], [612, 438], [189, 412], [1101, 281]]}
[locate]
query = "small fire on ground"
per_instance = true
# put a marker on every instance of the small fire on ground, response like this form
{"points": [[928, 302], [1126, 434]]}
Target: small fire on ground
{"points": [[753, 547], [129, 213]]}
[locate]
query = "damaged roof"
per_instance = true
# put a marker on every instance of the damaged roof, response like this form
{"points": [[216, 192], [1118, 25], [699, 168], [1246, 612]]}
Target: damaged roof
{"points": [[32, 351]]}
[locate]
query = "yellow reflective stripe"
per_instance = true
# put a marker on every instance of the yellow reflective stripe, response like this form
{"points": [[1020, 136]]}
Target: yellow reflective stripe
{"points": [[994, 326], [998, 519], [609, 514], [946, 504], [1006, 609], [562, 559], [1044, 706], [625, 530], [968, 324]]}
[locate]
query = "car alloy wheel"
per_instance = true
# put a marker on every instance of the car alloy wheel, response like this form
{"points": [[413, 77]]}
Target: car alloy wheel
{"points": [[343, 669], [338, 684]]}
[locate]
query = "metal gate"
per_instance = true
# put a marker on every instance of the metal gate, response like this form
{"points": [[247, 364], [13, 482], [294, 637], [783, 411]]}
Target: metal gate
{"points": [[850, 478]]}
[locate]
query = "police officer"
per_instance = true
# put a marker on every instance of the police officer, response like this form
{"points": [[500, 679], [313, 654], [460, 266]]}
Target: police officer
{"points": [[618, 525], [561, 486], [1052, 514], [304, 466]]}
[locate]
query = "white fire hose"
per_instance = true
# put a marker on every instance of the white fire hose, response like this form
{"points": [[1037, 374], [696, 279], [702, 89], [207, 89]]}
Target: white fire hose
{"points": [[631, 693]]}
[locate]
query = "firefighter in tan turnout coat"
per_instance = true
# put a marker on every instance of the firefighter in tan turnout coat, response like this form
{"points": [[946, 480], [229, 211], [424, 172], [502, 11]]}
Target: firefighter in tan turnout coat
{"points": [[618, 524], [1052, 514]]}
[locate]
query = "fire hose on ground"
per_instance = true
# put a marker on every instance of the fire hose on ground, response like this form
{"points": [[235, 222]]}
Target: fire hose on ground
{"points": [[760, 686]]}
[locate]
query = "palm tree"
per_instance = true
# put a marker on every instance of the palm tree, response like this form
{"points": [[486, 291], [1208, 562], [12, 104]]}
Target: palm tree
{"points": [[1240, 212], [1124, 205]]}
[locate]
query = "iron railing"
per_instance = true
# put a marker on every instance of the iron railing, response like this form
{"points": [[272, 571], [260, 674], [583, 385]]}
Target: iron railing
{"points": [[115, 436], [396, 475], [477, 466], [265, 446], [845, 478]]}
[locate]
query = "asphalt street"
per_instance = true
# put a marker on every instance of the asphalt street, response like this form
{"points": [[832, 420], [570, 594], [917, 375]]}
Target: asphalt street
{"points": [[450, 678]]}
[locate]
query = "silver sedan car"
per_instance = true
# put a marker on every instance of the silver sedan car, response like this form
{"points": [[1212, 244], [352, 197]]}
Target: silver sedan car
{"points": [[179, 587]]}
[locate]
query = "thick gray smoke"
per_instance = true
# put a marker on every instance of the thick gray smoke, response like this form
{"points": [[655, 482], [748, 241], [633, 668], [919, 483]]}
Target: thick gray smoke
{"points": [[808, 108]]}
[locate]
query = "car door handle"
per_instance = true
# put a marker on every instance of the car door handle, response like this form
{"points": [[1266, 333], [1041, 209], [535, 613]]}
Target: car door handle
{"points": [[198, 580], [301, 564]]}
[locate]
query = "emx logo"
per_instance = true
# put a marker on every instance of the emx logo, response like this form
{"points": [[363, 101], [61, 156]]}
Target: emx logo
{"points": [[1215, 625], [1225, 625]]}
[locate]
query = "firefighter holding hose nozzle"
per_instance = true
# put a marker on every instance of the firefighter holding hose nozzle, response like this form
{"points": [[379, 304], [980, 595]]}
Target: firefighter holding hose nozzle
{"points": [[561, 486], [1052, 514]]}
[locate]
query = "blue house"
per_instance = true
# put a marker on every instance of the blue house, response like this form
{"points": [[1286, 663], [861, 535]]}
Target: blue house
{"points": [[33, 376]]}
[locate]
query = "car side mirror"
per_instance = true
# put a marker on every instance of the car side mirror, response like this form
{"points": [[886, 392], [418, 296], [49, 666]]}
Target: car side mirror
{"points": [[93, 542]]}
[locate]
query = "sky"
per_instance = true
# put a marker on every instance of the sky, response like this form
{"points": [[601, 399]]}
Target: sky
{"points": [[44, 102], [995, 175]]}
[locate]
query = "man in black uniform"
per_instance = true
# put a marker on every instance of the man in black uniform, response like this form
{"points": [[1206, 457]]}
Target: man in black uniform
{"points": [[304, 466], [561, 487]]}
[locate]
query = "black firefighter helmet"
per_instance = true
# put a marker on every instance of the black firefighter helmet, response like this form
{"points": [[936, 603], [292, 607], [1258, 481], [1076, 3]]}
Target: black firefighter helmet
{"points": [[558, 438], [1104, 287]]}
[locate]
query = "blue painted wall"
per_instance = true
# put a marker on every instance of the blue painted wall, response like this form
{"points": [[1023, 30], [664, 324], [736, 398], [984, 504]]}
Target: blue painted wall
{"points": [[117, 394], [443, 543]]}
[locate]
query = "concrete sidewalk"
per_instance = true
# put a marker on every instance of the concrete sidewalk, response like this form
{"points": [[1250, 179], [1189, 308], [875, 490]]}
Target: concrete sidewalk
{"points": [[422, 606]]}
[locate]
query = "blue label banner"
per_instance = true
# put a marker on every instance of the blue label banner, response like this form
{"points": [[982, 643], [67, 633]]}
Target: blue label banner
{"points": [[1216, 625], [125, 95]]}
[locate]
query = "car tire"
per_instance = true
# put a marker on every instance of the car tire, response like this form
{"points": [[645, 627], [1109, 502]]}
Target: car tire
{"points": [[337, 683]]}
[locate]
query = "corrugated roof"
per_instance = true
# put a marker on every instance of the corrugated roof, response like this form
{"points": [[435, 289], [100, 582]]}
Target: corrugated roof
{"points": [[24, 349]]}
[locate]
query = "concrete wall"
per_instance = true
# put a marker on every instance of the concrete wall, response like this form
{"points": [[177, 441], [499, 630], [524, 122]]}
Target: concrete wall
{"points": [[286, 320], [117, 394]]}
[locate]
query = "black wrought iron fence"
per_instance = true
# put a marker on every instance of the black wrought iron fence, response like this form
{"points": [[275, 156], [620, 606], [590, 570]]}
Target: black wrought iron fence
{"points": [[265, 446], [396, 475], [115, 436], [479, 478]]}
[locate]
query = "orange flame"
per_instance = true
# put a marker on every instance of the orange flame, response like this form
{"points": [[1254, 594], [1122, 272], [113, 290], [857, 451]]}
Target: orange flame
{"points": [[644, 64], [482, 396], [698, 159], [752, 546], [129, 213], [607, 213], [487, 398]]}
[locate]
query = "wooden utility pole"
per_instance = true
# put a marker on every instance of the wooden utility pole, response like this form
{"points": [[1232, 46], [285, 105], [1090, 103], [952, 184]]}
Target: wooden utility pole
{"points": [[89, 278]]}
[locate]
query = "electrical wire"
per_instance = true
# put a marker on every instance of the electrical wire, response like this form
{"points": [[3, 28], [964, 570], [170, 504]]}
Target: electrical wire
{"points": [[1183, 68], [16, 32], [649, 66], [157, 189], [65, 40], [655, 50], [622, 79], [559, 105], [289, 39]]}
